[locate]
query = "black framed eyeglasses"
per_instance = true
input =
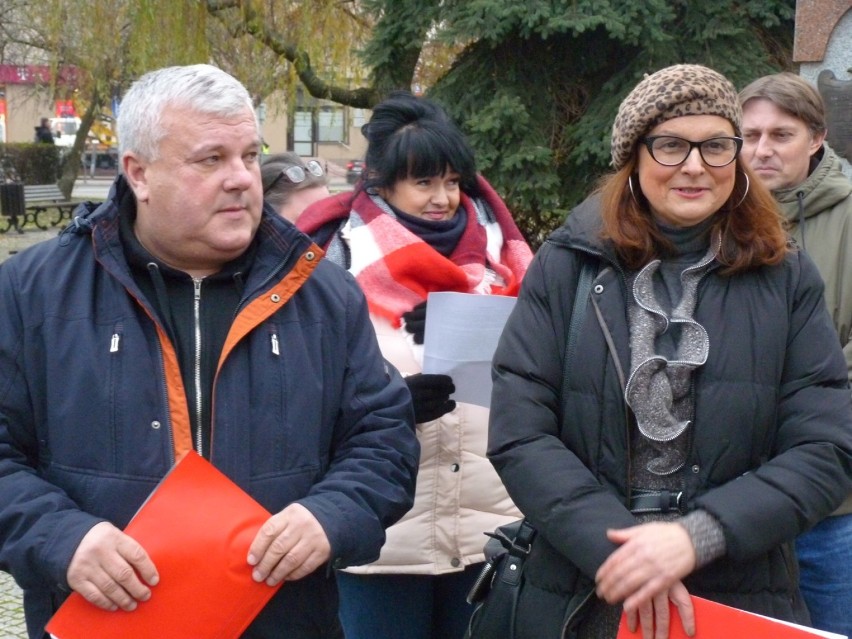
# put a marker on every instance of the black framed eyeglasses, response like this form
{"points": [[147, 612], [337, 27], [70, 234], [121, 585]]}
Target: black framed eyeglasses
{"points": [[296, 174], [670, 150]]}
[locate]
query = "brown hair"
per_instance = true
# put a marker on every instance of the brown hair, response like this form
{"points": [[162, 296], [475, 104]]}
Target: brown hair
{"points": [[752, 230], [793, 95]]}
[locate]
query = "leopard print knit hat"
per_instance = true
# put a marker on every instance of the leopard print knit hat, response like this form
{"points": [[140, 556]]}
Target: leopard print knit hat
{"points": [[682, 89]]}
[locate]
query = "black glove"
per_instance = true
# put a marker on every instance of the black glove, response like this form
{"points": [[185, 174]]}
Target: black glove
{"points": [[415, 322], [430, 395]]}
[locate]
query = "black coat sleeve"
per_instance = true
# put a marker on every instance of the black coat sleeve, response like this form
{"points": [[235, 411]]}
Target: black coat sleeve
{"points": [[808, 470]]}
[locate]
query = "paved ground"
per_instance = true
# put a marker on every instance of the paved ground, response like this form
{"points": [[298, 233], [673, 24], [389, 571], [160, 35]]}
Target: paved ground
{"points": [[11, 610], [12, 242]]}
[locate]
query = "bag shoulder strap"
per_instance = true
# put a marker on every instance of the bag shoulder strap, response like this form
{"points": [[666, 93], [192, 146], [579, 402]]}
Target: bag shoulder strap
{"points": [[578, 316], [588, 271]]}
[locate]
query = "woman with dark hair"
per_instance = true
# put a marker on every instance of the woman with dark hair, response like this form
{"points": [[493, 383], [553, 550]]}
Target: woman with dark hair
{"points": [[704, 419], [421, 220]]}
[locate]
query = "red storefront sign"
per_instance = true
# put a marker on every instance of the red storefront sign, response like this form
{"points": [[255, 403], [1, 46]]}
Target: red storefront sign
{"points": [[35, 74]]}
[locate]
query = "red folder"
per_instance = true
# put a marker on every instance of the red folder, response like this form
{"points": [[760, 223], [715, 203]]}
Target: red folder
{"points": [[715, 621], [197, 527]]}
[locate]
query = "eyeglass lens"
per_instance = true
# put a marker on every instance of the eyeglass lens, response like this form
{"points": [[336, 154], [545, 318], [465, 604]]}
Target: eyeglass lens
{"points": [[296, 174], [315, 168], [671, 151]]}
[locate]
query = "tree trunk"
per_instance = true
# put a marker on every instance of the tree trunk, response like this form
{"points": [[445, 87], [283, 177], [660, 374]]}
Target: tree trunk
{"points": [[72, 161]]}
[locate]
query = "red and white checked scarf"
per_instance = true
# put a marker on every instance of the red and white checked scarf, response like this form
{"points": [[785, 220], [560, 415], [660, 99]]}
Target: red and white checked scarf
{"points": [[397, 270]]}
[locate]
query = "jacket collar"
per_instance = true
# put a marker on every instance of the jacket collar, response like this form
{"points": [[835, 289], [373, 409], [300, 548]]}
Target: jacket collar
{"points": [[825, 186], [278, 243], [582, 231]]}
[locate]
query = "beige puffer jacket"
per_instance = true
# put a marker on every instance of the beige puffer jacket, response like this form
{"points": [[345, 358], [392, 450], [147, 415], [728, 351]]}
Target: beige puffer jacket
{"points": [[459, 495]]}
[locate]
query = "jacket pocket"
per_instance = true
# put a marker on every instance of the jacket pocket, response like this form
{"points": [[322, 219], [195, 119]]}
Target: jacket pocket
{"points": [[103, 397], [281, 415]]}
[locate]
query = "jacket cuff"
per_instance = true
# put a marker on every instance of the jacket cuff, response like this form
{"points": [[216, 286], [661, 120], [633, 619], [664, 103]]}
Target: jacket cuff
{"points": [[706, 534]]}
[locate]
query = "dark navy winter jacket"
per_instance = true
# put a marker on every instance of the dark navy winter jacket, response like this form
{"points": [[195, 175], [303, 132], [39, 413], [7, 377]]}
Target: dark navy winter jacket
{"points": [[93, 411]]}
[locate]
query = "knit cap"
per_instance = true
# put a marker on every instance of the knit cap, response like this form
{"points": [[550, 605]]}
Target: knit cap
{"points": [[682, 89]]}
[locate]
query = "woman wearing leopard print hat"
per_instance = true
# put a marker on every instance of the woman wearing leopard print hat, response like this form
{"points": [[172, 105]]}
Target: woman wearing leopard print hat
{"points": [[704, 419]]}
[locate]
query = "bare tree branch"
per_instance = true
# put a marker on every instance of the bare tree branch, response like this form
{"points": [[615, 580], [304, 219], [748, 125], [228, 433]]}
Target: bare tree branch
{"points": [[254, 25]]}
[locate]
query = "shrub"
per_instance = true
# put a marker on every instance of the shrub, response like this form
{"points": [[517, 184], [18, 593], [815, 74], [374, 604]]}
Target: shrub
{"points": [[30, 163]]}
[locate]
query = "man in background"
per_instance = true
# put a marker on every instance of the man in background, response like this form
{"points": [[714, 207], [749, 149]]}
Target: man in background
{"points": [[43, 133], [784, 131]]}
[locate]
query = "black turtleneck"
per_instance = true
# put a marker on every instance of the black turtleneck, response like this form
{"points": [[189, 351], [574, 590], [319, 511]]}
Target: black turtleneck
{"points": [[171, 294], [690, 244]]}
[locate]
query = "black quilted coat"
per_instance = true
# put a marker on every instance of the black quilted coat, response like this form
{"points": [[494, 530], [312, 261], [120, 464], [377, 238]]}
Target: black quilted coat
{"points": [[771, 449]]}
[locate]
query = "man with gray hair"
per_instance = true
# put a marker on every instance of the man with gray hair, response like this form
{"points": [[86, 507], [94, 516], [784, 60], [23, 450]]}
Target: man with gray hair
{"points": [[183, 314], [784, 131]]}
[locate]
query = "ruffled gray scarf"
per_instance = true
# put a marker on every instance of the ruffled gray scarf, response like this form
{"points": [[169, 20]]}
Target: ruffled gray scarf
{"points": [[659, 387]]}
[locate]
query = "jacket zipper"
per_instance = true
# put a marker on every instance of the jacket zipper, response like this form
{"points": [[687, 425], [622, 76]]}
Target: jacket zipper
{"points": [[197, 372], [274, 342], [115, 345], [196, 283], [116, 342]]}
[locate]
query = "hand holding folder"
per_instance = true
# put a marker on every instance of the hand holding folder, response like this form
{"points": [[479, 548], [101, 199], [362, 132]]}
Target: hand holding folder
{"points": [[716, 621], [197, 527]]}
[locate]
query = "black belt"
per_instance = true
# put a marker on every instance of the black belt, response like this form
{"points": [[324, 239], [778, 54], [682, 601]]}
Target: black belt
{"points": [[656, 501]]}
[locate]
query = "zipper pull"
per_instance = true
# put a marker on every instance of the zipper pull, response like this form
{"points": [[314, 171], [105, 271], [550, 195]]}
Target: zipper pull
{"points": [[274, 338], [113, 343]]}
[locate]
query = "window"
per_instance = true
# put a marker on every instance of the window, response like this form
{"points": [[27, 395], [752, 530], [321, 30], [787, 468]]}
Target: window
{"points": [[331, 124], [359, 118], [303, 133]]}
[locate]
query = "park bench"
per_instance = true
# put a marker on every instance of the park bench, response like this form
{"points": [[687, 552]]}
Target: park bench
{"points": [[44, 206], [44, 198]]}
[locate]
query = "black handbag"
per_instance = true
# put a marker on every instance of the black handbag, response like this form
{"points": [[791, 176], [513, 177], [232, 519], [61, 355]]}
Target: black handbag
{"points": [[496, 591]]}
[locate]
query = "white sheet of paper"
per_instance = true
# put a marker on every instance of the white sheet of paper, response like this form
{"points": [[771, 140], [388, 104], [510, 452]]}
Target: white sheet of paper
{"points": [[461, 335], [814, 631]]}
